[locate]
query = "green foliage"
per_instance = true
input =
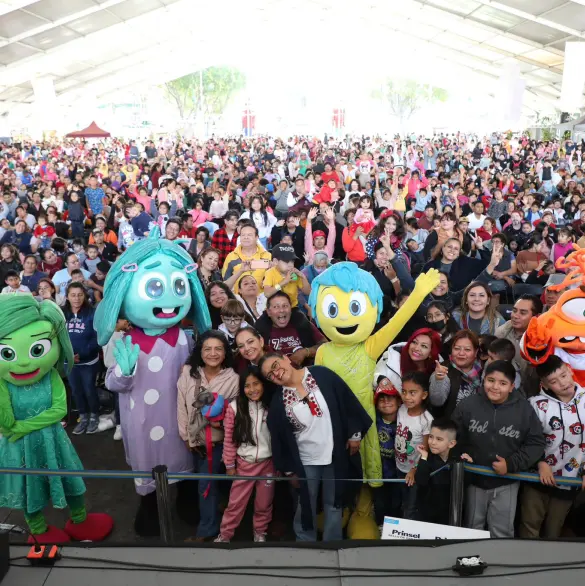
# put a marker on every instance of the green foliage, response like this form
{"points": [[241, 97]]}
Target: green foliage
{"points": [[219, 84], [405, 97], [548, 134]]}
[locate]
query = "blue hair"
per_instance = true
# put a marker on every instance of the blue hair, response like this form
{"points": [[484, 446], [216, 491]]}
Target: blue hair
{"points": [[118, 283], [348, 277]]}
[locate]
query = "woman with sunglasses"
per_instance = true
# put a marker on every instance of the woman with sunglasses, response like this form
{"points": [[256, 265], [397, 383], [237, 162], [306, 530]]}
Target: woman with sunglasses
{"points": [[316, 424]]}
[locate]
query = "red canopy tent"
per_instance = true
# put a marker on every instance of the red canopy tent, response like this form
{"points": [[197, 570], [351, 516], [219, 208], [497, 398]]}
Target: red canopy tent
{"points": [[92, 131]]}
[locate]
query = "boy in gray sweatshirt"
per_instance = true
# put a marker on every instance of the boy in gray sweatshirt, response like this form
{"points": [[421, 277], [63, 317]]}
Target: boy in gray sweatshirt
{"points": [[498, 428]]}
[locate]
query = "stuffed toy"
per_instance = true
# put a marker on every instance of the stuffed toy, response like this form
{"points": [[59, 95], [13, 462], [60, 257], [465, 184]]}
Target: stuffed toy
{"points": [[153, 285], [212, 407], [34, 351], [561, 330], [346, 303]]}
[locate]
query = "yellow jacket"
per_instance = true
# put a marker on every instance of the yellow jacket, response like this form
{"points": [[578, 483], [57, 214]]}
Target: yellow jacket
{"points": [[234, 260]]}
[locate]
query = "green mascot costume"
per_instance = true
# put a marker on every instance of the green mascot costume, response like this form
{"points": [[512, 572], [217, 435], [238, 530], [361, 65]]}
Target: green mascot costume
{"points": [[34, 351]]}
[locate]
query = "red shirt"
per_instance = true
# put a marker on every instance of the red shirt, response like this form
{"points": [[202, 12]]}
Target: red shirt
{"points": [[224, 244], [188, 234]]}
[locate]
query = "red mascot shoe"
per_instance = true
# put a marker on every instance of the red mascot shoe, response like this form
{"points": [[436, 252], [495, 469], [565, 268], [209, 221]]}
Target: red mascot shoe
{"points": [[51, 535], [96, 527]]}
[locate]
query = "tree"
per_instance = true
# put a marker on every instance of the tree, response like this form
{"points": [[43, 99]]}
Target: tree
{"points": [[219, 84], [407, 97]]}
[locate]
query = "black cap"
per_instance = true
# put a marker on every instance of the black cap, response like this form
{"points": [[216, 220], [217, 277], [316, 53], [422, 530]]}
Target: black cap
{"points": [[284, 252]]}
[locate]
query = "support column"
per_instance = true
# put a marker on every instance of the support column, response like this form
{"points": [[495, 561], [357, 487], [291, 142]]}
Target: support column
{"points": [[46, 115], [571, 99]]}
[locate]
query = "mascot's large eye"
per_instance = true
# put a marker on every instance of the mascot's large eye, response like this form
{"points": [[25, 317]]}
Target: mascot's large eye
{"points": [[7, 353], [329, 306], [40, 348], [357, 303], [575, 309], [180, 286], [155, 288]]}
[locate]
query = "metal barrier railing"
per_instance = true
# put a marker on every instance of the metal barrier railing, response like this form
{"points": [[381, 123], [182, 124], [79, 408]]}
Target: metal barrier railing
{"points": [[162, 477]]}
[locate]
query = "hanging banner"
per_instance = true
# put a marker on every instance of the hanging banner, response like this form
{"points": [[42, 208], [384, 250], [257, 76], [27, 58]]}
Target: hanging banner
{"points": [[338, 118]]}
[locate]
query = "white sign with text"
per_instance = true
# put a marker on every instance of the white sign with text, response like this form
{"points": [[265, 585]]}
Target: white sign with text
{"points": [[405, 529]]}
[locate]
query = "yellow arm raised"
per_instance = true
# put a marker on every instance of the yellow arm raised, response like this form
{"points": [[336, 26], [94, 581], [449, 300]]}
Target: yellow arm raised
{"points": [[377, 343]]}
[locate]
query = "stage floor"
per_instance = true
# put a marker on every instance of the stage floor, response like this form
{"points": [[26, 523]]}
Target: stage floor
{"points": [[323, 566]]}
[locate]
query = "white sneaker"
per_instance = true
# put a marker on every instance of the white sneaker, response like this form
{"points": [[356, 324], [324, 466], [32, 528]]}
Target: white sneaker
{"points": [[107, 416], [118, 433], [259, 538], [105, 424], [220, 539]]}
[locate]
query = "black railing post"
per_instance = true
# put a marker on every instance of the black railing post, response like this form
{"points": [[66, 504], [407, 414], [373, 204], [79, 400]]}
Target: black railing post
{"points": [[457, 494], [161, 482]]}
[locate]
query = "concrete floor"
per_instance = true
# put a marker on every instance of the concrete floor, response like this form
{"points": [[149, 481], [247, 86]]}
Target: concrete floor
{"points": [[118, 498]]}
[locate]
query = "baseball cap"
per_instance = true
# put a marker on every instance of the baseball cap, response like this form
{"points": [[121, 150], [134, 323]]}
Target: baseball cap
{"points": [[390, 391], [318, 233], [284, 252], [555, 279]]}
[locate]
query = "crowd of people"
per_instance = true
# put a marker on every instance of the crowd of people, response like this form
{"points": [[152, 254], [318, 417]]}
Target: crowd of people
{"points": [[262, 218]]}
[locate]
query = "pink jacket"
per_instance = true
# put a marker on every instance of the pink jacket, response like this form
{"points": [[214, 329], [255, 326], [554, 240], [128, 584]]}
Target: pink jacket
{"points": [[310, 249], [415, 184], [200, 217], [248, 452], [226, 383]]}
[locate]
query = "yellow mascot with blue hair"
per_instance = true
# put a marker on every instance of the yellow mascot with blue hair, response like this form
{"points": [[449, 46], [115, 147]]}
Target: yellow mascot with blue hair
{"points": [[346, 303]]}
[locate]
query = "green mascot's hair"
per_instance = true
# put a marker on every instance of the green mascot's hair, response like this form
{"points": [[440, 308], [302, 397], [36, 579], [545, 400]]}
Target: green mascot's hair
{"points": [[18, 311]]}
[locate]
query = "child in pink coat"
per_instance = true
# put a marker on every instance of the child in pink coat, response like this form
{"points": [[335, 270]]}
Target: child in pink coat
{"points": [[247, 452]]}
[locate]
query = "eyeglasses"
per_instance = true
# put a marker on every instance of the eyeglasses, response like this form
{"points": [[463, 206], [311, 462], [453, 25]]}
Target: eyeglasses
{"points": [[232, 320], [276, 366]]}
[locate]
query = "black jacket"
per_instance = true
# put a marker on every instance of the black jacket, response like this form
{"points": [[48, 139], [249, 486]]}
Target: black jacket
{"points": [[511, 430], [463, 271], [434, 492], [298, 241], [347, 418]]}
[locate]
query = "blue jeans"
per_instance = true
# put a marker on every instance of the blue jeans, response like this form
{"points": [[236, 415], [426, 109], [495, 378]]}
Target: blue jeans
{"points": [[332, 529], [209, 517], [408, 495], [82, 383]]}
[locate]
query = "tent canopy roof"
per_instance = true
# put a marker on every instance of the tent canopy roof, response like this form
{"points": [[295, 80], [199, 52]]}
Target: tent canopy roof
{"points": [[92, 131], [102, 46]]}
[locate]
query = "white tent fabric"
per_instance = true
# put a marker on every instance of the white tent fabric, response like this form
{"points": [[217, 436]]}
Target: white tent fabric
{"points": [[102, 46]]}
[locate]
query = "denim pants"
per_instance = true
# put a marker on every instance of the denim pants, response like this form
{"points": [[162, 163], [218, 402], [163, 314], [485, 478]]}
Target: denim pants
{"points": [[332, 529], [408, 495], [82, 383], [209, 516]]}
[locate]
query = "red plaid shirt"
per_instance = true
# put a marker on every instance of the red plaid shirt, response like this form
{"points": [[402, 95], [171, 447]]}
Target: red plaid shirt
{"points": [[221, 241]]}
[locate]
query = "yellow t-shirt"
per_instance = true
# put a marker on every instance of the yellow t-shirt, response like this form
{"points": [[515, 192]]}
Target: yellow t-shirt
{"points": [[273, 277]]}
